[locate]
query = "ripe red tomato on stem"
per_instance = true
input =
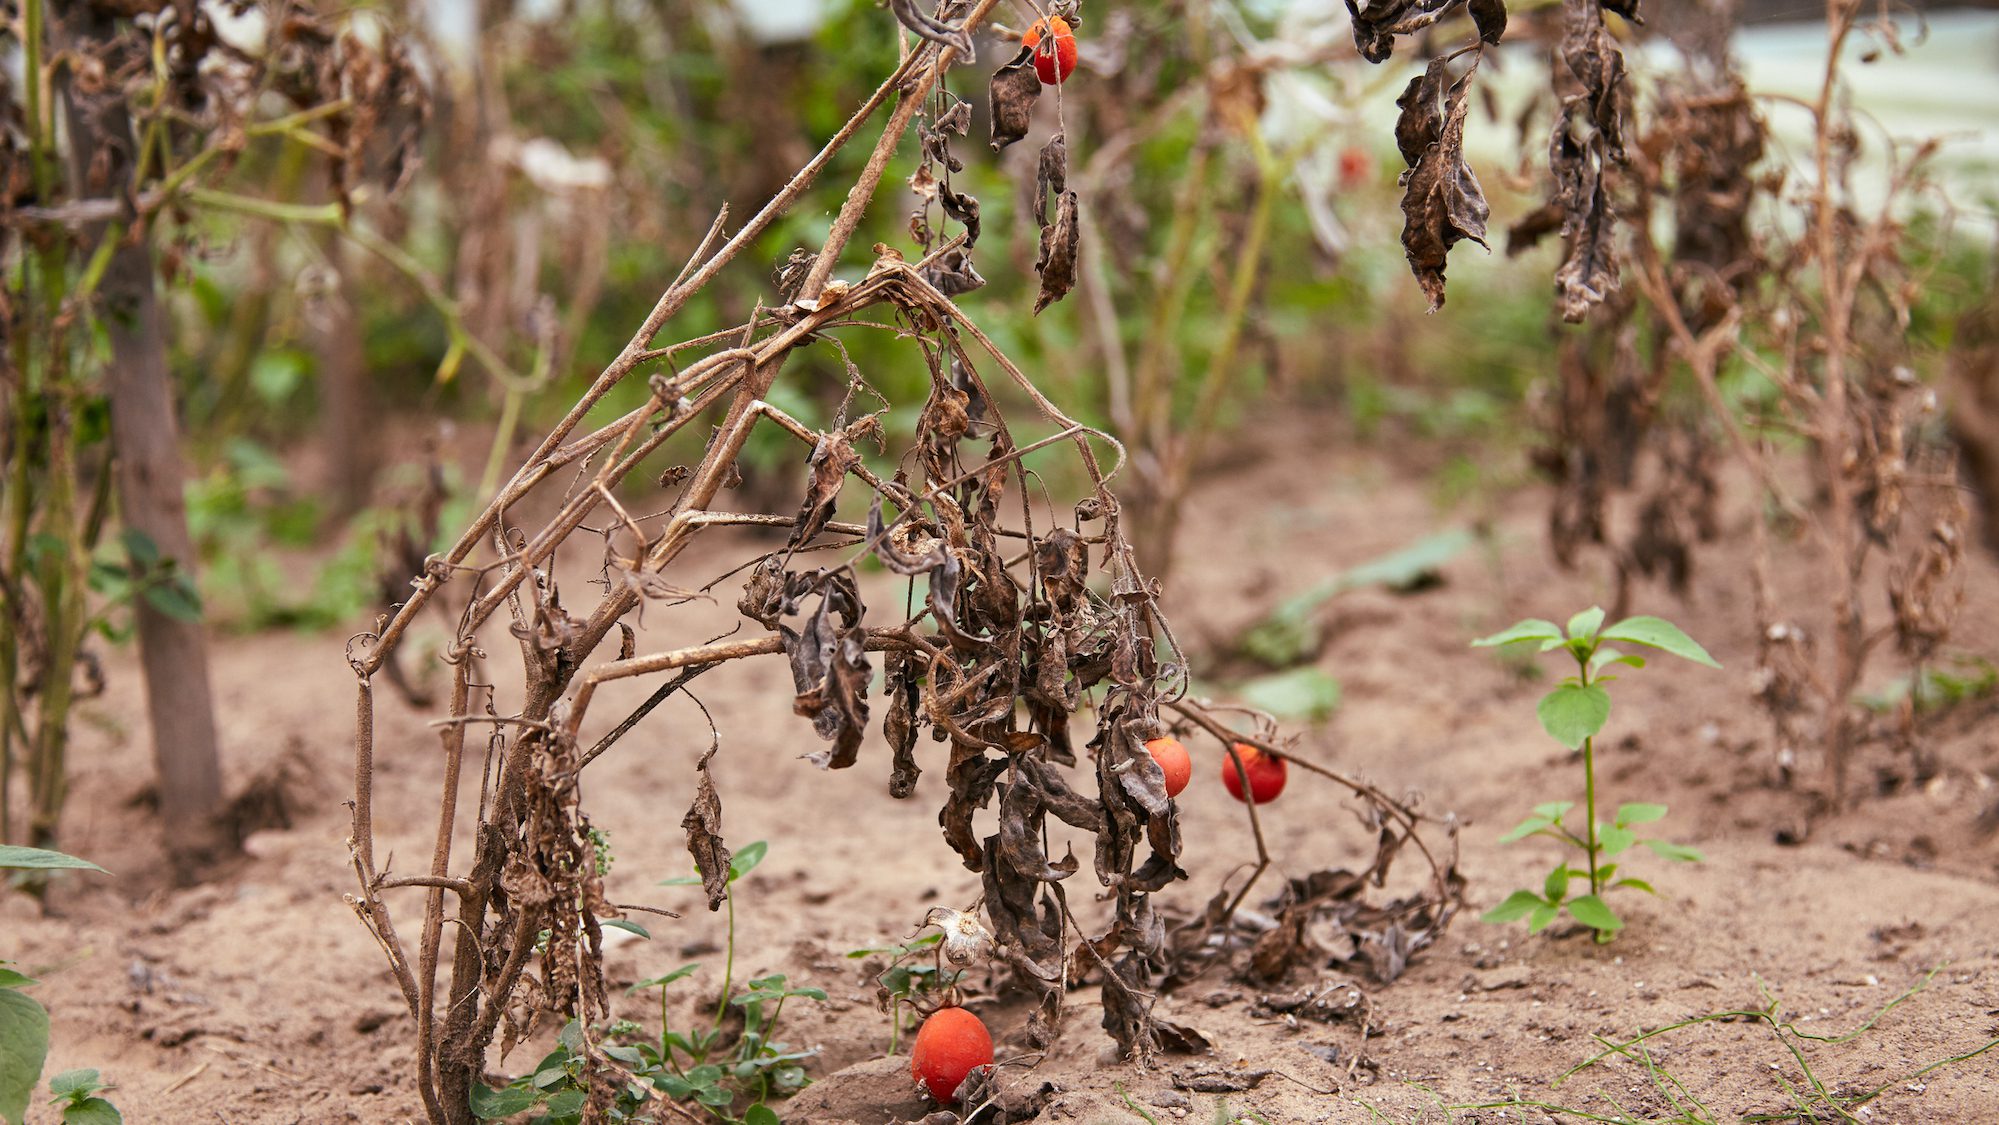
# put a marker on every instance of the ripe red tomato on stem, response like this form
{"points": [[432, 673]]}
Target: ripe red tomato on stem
{"points": [[1267, 774], [951, 1042], [1054, 64], [1174, 762]]}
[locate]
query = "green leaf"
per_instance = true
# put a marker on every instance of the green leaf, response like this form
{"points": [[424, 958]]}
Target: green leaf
{"points": [[1526, 828], [92, 1111], [276, 373], [75, 1084], [1517, 905], [674, 1087], [1306, 694], [1612, 840], [1572, 713], [1409, 567], [1591, 911], [11, 979], [24, 1046], [1583, 626], [1556, 886], [1636, 885], [1554, 810], [661, 982], [706, 1074], [761, 1114], [1605, 657], [746, 860], [1543, 914], [1532, 629], [1640, 813], [626, 1053], [1666, 849], [145, 553], [1662, 634], [567, 1102], [176, 597], [626, 925], [681, 881], [492, 1105], [41, 859], [714, 1095]]}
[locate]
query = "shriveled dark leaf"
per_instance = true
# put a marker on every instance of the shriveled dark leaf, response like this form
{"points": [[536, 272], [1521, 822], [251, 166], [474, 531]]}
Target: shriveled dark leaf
{"points": [[790, 274], [833, 457], [1442, 203], [1051, 175], [1531, 228], [763, 593], [1490, 17], [829, 667], [899, 548], [1180, 1039], [963, 382], [1057, 261], [963, 207], [1127, 1002], [900, 674], [1052, 790], [912, 15], [703, 823], [953, 274], [1212, 1079], [1014, 90], [1376, 23], [1022, 812], [1388, 952], [1588, 273]]}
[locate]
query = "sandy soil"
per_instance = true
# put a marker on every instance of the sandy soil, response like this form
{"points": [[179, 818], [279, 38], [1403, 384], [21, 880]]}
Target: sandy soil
{"points": [[260, 999]]}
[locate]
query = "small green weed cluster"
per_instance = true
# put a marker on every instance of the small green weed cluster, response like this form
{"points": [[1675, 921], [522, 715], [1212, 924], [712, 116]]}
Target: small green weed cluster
{"points": [[734, 1082]]}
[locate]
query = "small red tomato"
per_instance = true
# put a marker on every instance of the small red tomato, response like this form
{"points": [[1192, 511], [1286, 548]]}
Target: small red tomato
{"points": [[1266, 774], [1356, 167], [1174, 761], [948, 1045], [1055, 64]]}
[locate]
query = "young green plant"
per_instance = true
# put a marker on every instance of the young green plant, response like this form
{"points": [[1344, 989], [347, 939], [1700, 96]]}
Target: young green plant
{"points": [[24, 1025], [690, 1066], [907, 979], [1573, 714]]}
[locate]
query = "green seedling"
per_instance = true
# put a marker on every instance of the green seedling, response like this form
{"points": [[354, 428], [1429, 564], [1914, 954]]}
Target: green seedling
{"points": [[24, 1025], [692, 1067], [76, 1092], [901, 985], [1573, 714]]}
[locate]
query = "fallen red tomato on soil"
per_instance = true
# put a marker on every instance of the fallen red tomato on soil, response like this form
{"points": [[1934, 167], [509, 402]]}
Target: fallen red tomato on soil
{"points": [[1174, 762], [948, 1045], [1266, 774], [1056, 65]]}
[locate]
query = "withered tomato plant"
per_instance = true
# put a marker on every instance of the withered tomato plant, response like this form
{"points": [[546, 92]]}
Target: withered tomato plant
{"points": [[1030, 643]]}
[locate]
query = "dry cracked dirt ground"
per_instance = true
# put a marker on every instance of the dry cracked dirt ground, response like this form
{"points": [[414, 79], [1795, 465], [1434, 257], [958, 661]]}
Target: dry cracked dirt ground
{"points": [[259, 998]]}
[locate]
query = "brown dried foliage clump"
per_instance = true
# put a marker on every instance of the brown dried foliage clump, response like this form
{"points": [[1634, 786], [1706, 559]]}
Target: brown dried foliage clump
{"points": [[1037, 650], [1817, 310]]}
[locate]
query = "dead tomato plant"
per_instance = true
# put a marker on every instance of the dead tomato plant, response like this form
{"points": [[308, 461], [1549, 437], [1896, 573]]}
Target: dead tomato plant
{"points": [[1768, 320], [1030, 619]]}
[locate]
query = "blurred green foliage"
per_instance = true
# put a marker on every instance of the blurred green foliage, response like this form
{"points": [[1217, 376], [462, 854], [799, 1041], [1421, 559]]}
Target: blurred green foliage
{"points": [[690, 114]]}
